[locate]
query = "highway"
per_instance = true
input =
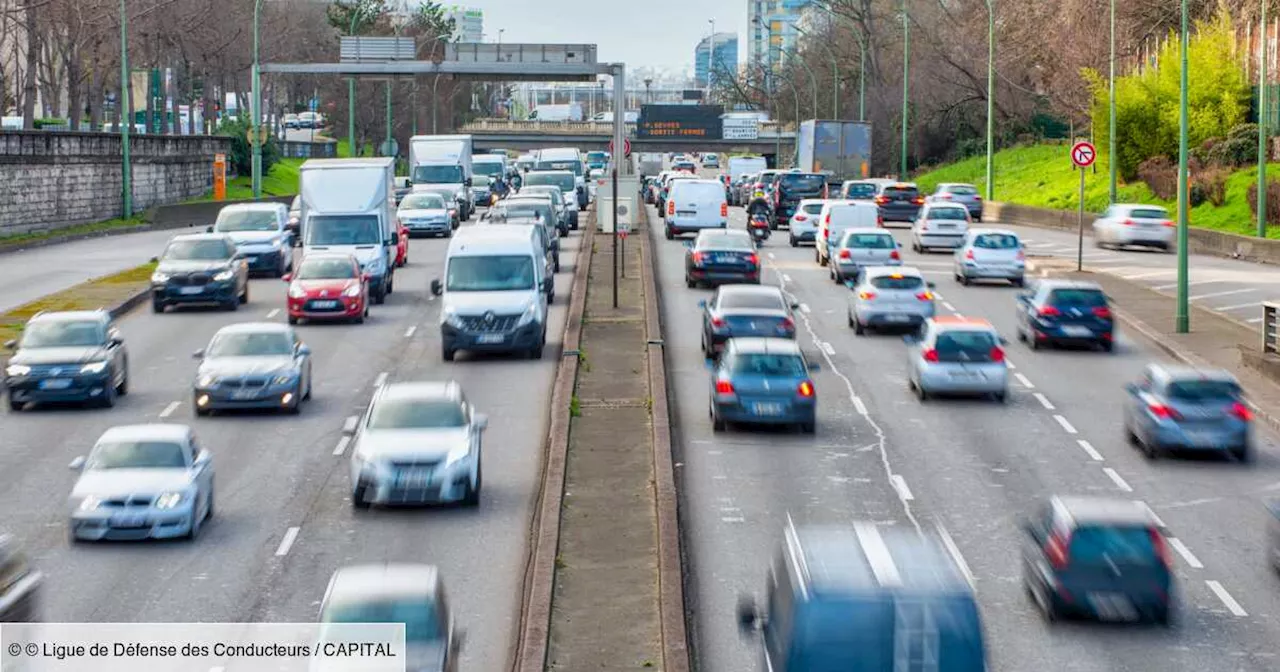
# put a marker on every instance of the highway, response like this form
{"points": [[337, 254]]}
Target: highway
{"points": [[975, 468], [284, 521]]}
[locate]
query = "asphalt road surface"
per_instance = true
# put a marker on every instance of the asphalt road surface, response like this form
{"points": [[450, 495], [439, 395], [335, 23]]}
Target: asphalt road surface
{"points": [[975, 468], [284, 521]]}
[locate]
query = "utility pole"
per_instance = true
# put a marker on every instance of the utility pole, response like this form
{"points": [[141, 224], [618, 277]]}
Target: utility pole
{"points": [[126, 174], [351, 94], [991, 97], [1111, 104], [1183, 317], [255, 106], [1263, 118], [906, 76]]}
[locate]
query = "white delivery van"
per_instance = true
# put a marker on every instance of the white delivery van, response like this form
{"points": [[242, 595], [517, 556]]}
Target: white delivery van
{"points": [[444, 161], [566, 158], [349, 206], [835, 218], [693, 205], [494, 296]]}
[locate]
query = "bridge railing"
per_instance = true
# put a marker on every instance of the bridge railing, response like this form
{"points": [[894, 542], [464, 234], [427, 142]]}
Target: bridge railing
{"points": [[767, 129]]}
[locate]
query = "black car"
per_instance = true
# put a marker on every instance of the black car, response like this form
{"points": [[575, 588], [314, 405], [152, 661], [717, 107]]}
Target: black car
{"points": [[721, 255], [899, 202], [738, 311], [74, 356], [790, 189], [19, 584], [200, 269], [1065, 312], [1102, 558]]}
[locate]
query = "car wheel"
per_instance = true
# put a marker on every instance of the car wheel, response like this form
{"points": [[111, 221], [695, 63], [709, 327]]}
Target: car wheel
{"points": [[307, 395], [1129, 437], [123, 388], [823, 260], [808, 427], [208, 506], [794, 242], [293, 320], [447, 353], [358, 497], [691, 283], [244, 296], [108, 397], [1019, 282], [16, 406], [472, 497], [920, 393], [1149, 450], [858, 328], [999, 397], [1107, 346], [391, 283], [1242, 454], [380, 297], [157, 306], [835, 275], [717, 423], [962, 280], [194, 532], [296, 408], [556, 264], [1032, 341], [1163, 616], [359, 318]]}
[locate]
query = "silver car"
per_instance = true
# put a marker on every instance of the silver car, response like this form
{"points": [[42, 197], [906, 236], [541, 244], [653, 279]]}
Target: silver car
{"points": [[428, 213], [957, 356], [1188, 409], [142, 482], [262, 365], [1134, 225], [939, 226], [860, 248], [418, 443], [889, 296], [990, 254], [963, 194]]}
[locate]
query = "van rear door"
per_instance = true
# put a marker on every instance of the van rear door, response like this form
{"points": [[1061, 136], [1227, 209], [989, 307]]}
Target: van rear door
{"points": [[699, 204]]}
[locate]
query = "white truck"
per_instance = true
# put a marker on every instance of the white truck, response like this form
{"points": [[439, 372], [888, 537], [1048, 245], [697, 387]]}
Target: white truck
{"points": [[570, 112], [443, 161], [349, 206]]}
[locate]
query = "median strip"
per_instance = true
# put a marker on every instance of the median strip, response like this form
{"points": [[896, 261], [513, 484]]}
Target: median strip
{"points": [[117, 293]]}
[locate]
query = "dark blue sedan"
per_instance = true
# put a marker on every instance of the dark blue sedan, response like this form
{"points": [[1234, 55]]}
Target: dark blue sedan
{"points": [[763, 381]]}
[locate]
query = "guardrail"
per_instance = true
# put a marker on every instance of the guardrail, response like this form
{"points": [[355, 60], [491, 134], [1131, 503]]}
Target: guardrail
{"points": [[1270, 328], [297, 149], [604, 128]]}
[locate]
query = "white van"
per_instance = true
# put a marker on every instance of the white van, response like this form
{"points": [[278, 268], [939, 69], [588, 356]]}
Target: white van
{"points": [[494, 292], [694, 205], [835, 218]]}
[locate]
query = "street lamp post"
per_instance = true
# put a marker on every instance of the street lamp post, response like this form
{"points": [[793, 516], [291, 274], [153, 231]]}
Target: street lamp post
{"points": [[648, 94], [351, 94], [1263, 113], [126, 177], [1111, 109], [254, 107], [991, 97], [813, 81], [711, 56], [1183, 317], [835, 76], [906, 73]]}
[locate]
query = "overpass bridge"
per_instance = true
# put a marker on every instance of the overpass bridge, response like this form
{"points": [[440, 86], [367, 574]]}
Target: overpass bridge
{"points": [[774, 138]]}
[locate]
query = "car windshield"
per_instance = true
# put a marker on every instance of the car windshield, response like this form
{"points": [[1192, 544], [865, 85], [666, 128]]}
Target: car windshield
{"points": [[961, 189], [901, 192], [897, 282], [528, 209], [197, 250], [441, 174], [724, 242], [965, 345], [948, 213], [996, 241], [812, 208], [250, 344], [1131, 544], [564, 181], [1204, 390], [324, 230], [737, 300], [873, 241], [422, 202], [547, 190], [419, 618], [480, 181], [246, 220], [490, 274], [417, 414], [62, 334], [1080, 298], [488, 168], [769, 365], [1148, 214], [574, 167], [860, 190], [325, 269], [137, 455], [803, 181]]}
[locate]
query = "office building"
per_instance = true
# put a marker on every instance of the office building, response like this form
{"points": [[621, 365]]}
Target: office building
{"points": [[725, 55], [766, 43], [468, 23]]}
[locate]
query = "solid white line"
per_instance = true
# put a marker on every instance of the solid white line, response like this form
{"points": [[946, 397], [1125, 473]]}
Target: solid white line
{"points": [[1044, 401], [828, 348], [408, 333], [349, 425], [1185, 552], [948, 306], [1230, 602], [1026, 382], [1009, 363], [954, 550], [273, 313], [342, 445], [1238, 306], [1196, 282], [785, 277], [1066, 426], [1254, 320], [804, 307], [900, 484], [1088, 448], [1152, 513], [1226, 293], [382, 378], [1115, 478], [858, 406], [290, 536], [1151, 274], [168, 410]]}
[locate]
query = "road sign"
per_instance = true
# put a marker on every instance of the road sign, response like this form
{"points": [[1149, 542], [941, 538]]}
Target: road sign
{"points": [[1083, 154], [389, 148], [680, 122], [741, 128], [263, 134], [626, 144], [623, 229]]}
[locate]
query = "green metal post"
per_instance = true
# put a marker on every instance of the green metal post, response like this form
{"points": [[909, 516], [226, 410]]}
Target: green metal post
{"points": [[813, 81], [413, 103], [1263, 118], [906, 75], [126, 125], [388, 114], [1183, 317], [1111, 104], [255, 105], [351, 96], [991, 97], [862, 77]]}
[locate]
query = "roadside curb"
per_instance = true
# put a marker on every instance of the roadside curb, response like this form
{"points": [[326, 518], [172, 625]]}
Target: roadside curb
{"points": [[539, 581], [133, 301], [675, 643]]}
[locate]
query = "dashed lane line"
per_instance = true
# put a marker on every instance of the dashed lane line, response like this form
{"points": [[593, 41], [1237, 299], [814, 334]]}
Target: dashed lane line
{"points": [[342, 445], [1026, 382], [1117, 479], [1229, 292], [1066, 426], [1044, 401], [168, 410], [349, 425], [1185, 552], [1227, 601], [290, 536], [1088, 448], [408, 333], [900, 484], [273, 313]]}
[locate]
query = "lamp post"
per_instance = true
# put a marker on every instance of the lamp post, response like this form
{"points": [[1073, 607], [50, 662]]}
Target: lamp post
{"points": [[711, 56], [255, 105], [835, 76], [648, 94], [1263, 113], [126, 177], [813, 81], [906, 74], [991, 96], [1111, 108], [1183, 317], [351, 92]]}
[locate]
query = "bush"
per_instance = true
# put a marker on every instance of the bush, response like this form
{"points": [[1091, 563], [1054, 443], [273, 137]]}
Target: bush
{"points": [[47, 122], [1234, 151], [1247, 132], [242, 153], [1212, 182], [1273, 202], [1161, 176]]}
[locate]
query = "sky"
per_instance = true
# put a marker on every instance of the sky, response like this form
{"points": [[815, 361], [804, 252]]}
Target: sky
{"points": [[656, 33]]}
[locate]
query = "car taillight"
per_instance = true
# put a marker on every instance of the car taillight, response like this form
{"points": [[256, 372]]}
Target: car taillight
{"points": [[997, 354], [866, 295], [826, 191], [1164, 412], [931, 355], [881, 200], [759, 185], [1022, 256], [977, 198], [1167, 223], [879, 220], [786, 324], [671, 208], [969, 255], [805, 389], [1102, 312], [894, 255], [1241, 411], [925, 296], [1127, 222], [724, 209], [945, 197], [827, 221], [1161, 546], [776, 197], [698, 257], [753, 259], [918, 200], [724, 387], [1055, 549], [717, 322], [844, 254], [1049, 311], [801, 218]]}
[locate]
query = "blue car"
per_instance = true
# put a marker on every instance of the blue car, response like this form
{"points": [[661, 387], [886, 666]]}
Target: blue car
{"points": [[763, 381], [73, 356], [1065, 312], [1182, 408], [253, 365]]}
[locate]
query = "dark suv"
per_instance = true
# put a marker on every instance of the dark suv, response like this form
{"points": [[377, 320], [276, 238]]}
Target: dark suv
{"points": [[790, 189], [75, 356], [899, 202], [200, 269], [19, 584]]}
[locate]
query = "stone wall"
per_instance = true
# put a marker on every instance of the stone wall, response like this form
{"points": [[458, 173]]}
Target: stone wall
{"points": [[53, 180]]}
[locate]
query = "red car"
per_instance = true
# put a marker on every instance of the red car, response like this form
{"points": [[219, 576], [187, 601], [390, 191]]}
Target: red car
{"points": [[328, 287], [402, 247]]}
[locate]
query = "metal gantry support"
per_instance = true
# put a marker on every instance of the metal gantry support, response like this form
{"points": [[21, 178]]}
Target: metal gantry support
{"points": [[1183, 317], [991, 97], [126, 124], [1263, 118]]}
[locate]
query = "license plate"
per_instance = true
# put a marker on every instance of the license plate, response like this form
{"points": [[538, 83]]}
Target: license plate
{"points": [[250, 260], [490, 338], [55, 384], [128, 520], [1203, 438], [727, 258], [767, 409], [190, 290], [413, 478], [244, 394], [1112, 606], [1077, 331], [897, 318], [964, 375], [324, 304]]}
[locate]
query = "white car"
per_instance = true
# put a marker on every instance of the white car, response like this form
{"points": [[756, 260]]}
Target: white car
{"points": [[142, 482], [804, 223], [994, 254], [1135, 225], [939, 225]]}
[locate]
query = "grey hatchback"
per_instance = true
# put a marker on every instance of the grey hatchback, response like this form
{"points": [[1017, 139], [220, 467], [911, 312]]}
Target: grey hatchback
{"points": [[963, 194], [1183, 408]]}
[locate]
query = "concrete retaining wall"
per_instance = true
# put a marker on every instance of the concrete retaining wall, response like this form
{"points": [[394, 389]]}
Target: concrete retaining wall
{"points": [[1200, 241], [50, 181]]}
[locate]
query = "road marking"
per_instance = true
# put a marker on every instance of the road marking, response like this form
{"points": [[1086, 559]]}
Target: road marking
{"points": [[858, 406], [1044, 401], [954, 550], [1152, 513], [290, 536], [349, 425], [1230, 602], [1226, 293], [827, 348], [408, 333], [1026, 382], [937, 296], [273, 313], [1115, 478], [1254, 320], [1150, 274], [732, 519], [1197, 282], [1009, 363], [804, 307], [1238, 306], [900, 484], [382, 378], [772, 256], [342, 445], [1066, 426], [168, 410], [948, 306], [786, 278], [1088, 448], [1185, 552]]}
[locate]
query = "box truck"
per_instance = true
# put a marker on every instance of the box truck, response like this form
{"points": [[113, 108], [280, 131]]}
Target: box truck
{"points": [[443, 161], [570, 112], [349, 206], [842, 149]]}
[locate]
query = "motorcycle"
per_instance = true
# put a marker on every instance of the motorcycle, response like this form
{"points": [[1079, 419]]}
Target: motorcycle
{"points": [[758, 226]]}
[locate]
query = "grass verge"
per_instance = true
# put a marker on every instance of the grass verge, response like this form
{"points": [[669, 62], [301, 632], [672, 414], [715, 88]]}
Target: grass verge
{"points": [[104, 292], [281, 180], [82, 229]]}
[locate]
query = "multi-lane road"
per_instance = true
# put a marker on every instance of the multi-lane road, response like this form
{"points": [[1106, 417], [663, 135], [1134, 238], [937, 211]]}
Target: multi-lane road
{"points": [[284, 520], [976, 468]]}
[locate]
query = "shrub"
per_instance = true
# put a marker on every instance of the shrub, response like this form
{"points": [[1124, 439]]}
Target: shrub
{"points": [[47, 122], [242, 153], [1161, 176], [1213, 182], [1273, 202], [1234, 151]]}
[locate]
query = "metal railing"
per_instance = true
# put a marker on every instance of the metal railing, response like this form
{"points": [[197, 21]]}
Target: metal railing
{"points": [[767, 130], [1270, 328], [360, 48], [294, 149]]}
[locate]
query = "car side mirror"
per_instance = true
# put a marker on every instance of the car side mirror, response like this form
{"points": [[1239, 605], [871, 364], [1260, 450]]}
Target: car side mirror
{"points": [[702, 303], [1004, 341], [795, 305], [208, 229], [77, 464], [932, 285], [198, 354], [287, 277], [436, 288], [304, 350], [155, 260], [295, 241], [814, 366], [10, 344], [389, 242], [203, 458], [748, 615], [116, 340], [544, 284], [1131, 388], [481, 421]]}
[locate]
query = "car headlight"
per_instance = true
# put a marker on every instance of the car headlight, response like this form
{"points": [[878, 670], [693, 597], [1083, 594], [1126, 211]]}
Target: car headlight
{"points": [[169, 500], [352, 291], [275, 242], [297, 292], [89, 503], [529, 313], [450, 316], [208, 380], [223, 276], [374, 267], [18, 370], [457, 454], [159, 277], [94, 367], [283, 379]]}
